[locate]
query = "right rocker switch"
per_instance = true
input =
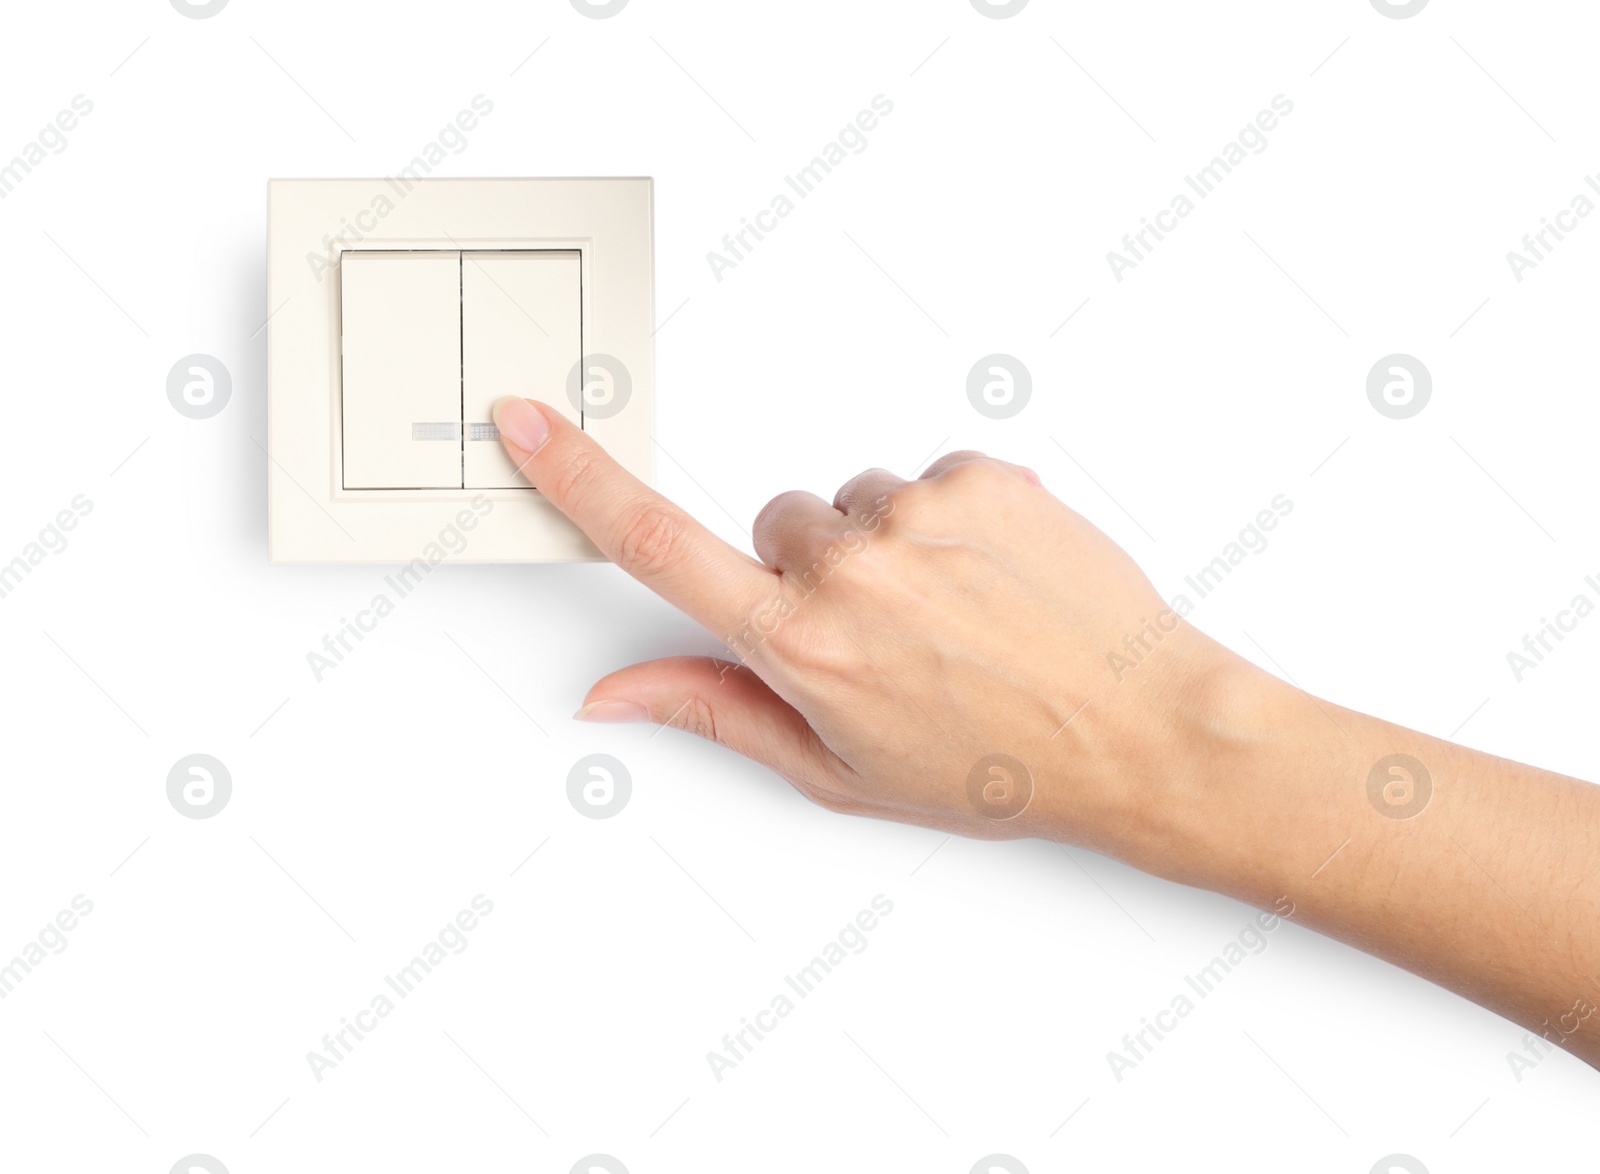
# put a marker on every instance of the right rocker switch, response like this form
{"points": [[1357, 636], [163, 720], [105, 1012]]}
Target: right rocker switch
{"points": [[521, 335]]}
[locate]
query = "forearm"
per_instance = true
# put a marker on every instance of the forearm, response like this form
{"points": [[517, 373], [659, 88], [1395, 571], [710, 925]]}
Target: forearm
{"points": [[1480, 874]]}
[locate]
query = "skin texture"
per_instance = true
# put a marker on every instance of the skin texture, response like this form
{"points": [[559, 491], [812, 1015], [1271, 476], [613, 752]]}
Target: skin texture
{"points": [[944, 652]]}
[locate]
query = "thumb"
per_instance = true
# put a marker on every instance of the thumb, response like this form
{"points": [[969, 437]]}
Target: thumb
{"points": [[724, 703]]}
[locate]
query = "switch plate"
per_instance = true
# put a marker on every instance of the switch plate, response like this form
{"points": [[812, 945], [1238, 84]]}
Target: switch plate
{"points": [[400, 311]]}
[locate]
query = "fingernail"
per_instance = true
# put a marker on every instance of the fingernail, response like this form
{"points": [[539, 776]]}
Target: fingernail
{"points": [[613, 711], [522, 424]]}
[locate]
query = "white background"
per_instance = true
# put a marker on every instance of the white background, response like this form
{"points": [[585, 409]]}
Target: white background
{"points": [[368, 808]]}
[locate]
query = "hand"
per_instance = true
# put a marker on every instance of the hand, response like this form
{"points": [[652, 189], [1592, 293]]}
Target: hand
{"points": [[965, 652], [938, 651]]}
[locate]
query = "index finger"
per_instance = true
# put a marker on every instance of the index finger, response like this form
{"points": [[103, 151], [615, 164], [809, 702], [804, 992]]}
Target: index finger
{"points": [[634, 526]]}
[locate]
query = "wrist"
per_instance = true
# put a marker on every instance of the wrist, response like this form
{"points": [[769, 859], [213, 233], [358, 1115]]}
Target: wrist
{"points": [[1231, 803]]}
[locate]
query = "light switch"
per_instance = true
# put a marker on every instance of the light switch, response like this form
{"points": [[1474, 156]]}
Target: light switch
{"points": [[388, 347], [521, 334], [401, 321]]}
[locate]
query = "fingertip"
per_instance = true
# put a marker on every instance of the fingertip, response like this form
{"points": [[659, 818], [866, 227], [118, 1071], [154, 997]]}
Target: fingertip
{"points": [[522, 423]]}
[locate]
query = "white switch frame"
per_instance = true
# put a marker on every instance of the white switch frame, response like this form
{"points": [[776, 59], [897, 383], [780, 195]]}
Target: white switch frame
{"points": [[311, 223]]}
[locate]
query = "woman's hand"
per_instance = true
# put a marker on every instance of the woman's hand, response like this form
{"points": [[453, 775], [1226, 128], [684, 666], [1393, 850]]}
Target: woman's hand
{"points": [[960, 651], [965, 652]]}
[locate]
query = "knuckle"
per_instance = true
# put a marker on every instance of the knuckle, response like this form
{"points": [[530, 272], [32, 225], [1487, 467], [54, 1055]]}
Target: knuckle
{"points": [[850, 491], [978, 475], [576, 470], [774, 508], [650, 537], [950, 459], [695, 716], [773, 523], [948, 503], [832, 552]]}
